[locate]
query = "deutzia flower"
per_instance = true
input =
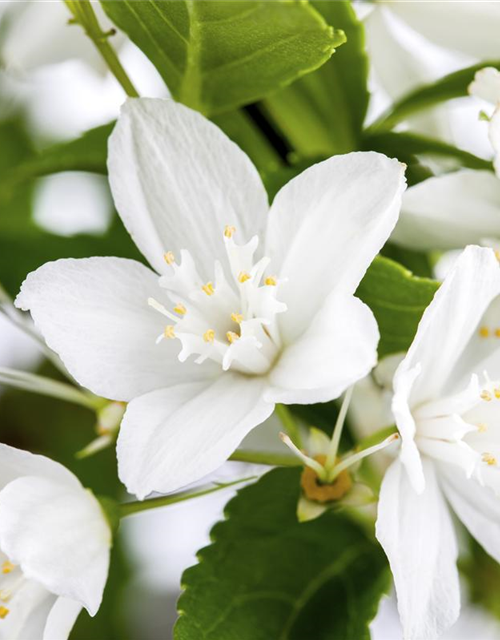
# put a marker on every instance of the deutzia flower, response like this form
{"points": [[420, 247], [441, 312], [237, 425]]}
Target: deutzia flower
{"points": [[447, 411], [462, 207], [54, 548], [246, 307]]}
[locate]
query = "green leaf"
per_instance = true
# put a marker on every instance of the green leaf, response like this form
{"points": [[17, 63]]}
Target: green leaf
{"points": [[218, 55], [266, 576], [323, 112], [398, 300], [451, 86], [405, 145]]}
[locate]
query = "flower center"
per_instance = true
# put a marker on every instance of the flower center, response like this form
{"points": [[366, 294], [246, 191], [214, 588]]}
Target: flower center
{"points": [[230, 320], [11, 579], [316, 490], [464, 429]]}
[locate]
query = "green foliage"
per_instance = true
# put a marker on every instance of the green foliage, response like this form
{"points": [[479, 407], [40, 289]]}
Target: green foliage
{"points": [[451, 86], [398, 300], [217, 55], [323, 112], [483, 577], [267, 576]]}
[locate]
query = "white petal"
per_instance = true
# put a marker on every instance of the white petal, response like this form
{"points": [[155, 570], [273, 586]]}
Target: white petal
{"points": [[486, 85], [469, 27], [338, 349], [477, 507], [449, 322], [326, 226], [94, 313], [494, 136], [61, 619], [177, 180], [172, 437], [417, 535], [450, 211], [59, 537], [16, 463]]}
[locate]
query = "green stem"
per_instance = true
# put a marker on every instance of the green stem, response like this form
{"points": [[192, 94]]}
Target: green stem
{"points": [[289, 423], [264, 457], [84, 15], [129, 508]]}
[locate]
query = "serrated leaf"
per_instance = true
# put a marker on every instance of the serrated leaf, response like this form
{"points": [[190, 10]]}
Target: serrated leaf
{"points": [[323, 112], [215, 55], [398, 300], [452, 86], [267, 577]]}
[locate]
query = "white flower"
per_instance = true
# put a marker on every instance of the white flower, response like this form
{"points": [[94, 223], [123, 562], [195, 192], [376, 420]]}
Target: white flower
{"points": [[252, 307], [462, 207], [449, 422], [54, 548]]}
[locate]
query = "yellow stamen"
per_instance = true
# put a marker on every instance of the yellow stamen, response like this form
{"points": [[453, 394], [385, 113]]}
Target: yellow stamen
{"points": [[5, 595], [7, 567], [209, 335], [237, 317], [489, 459], [229, 231], [484, 332], [497, 332], [180, 309], [486, 395], [497, 255], [243, 276], [482, 428], [271, 281], [496, 391], [169, 257], [231, 336], [169, 331], [4, 612], [209, 288]]}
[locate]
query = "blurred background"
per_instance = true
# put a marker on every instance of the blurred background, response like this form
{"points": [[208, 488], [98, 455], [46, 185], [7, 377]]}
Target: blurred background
{"points": [[53, 88]]}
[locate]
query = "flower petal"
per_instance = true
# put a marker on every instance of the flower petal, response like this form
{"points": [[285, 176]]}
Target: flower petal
{"points": [[417, 535], [94, 313], [338, 349], [177, 180], [449, 322], [450, 211], [58, 535], [16, 463], [61, 619], [474, 30], [486, 85], [326, 226], [172, 437], [477, 507]]}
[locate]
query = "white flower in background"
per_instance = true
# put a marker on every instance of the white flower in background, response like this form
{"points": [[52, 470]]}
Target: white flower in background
{"points": [[486, 85], [447, 411], [54, 548], [459, 208], [253, 305]]}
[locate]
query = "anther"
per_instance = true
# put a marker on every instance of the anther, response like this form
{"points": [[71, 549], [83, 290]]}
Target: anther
{"points": [[169, 331], [243, 276], [231, 336], [209, 288], [496, 391], [237, 317], [180, 309], [209, 335], [484, 332], [7, 567], [169, 257], [5, 595], [229, 231], [497, 254], [486, 395], [497, 332], [489, 459], [4, 612], [482, 428], [271, 281]]}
